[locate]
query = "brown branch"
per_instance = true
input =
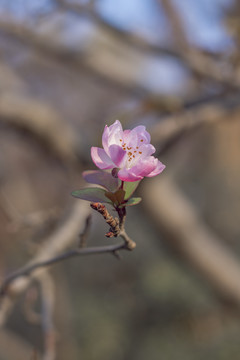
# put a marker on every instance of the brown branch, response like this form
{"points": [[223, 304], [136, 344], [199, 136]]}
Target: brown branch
{"points": [[29, 269], [42, 121], [117, 229], [116, 226], [176, 23], [110, 220], [54, 245], [166, 130]]}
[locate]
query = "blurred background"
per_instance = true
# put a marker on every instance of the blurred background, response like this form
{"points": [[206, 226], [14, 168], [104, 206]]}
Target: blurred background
{"points": [[67, 68]]}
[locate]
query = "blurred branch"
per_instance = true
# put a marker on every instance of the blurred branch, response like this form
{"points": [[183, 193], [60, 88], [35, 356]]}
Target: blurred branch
{"points": [[195, 60], [27, 270], [42, 121], [180, 37], [187, 236], [75, 59], [205, 65], [63, 237], [169, 128], [48, 303], [52, 248]]}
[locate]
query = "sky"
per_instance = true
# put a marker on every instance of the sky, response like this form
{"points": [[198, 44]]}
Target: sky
{"points": [[203, 19]]}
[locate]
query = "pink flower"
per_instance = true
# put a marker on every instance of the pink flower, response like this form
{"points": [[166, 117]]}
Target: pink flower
{"points": [[129, 150]]}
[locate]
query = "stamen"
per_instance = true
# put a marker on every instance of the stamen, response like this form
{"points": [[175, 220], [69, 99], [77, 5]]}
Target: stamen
{"points": [[140, 152], [141, 140]]}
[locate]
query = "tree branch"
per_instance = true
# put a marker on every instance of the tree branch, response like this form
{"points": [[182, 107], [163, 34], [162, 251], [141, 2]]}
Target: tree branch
{"points": [[29, 269]]}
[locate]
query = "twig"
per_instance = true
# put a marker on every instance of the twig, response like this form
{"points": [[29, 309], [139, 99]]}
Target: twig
{"points": [[116, 226], [64, 236], [29, 269], [110, 220]]}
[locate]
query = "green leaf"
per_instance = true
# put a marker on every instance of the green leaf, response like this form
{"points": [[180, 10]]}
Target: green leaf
{"points": [[132, 201], [117, 198], [129, 188], [93, 194], [102, 178]]}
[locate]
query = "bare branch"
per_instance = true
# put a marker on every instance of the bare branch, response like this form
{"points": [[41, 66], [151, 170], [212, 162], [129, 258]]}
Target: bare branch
{"points": [[180, 36], [62, 238], [204, 65], [30, 269], [42, 121], [166, 131], [77, 59]]}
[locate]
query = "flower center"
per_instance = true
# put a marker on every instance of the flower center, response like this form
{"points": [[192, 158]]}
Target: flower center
{"points": [[133, 153]]}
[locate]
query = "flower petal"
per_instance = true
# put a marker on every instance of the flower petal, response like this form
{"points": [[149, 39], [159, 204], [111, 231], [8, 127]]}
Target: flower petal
{"points": [[101, 159], [130, 138], [117, 154], [142, 134], [112, 135], [159, 168], [127, 175], [144, 166], [147, 149], [105, 137]]}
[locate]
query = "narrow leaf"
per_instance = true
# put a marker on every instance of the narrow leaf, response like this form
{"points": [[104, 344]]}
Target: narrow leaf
{"points": [[92, 194], [102, 178], [129, 188], [132, 201]]}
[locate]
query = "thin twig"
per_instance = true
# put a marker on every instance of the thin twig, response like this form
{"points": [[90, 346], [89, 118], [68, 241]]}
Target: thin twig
{"points": [[27, 270]]}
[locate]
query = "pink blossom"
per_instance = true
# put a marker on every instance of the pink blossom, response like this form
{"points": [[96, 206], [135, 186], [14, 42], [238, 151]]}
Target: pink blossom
{"points": [[130, 151]]}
